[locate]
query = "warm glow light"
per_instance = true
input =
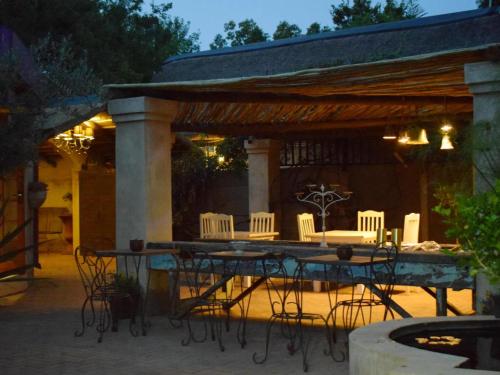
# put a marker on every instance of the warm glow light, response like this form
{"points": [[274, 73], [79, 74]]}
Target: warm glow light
{"points": [[446, 143], [446, 127], [389, 133], [422, 137], [403, 137], [220, 159]]}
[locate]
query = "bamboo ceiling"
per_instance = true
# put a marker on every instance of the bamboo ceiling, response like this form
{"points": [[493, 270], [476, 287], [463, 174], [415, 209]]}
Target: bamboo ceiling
{"points": [[392, 92]]}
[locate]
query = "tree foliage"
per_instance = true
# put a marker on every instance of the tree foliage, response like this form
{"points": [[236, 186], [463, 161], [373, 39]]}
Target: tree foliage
{"points": [[285, 30], [121, 41], [246, 32], [315, 28], [363, 13], [34, 86], [486, 3]]}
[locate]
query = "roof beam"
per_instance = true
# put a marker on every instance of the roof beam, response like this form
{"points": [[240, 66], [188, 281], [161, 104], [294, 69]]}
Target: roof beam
{"points": [[241, 97], [281, 128]]}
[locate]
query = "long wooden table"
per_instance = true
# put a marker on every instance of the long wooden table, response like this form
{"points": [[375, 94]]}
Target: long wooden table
{"points": [[423, 269]]}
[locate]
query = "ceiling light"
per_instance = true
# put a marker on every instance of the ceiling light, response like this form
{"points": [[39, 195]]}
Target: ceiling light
{"points": [[446, 127], [403, 137], [389, 133], [446, 143]]}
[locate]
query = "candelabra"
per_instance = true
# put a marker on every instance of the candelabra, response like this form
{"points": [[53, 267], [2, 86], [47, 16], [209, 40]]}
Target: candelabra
{"points": [[323, 199]]}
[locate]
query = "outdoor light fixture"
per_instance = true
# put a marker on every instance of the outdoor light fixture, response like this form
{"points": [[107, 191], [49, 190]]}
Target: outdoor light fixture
{"points": [[446, 144], [389, 133], [403, 137], [77, 140], [418, 137]]}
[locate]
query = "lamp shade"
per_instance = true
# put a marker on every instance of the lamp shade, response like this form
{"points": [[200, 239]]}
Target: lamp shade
{"points": [[446, 143], [422, 137]]}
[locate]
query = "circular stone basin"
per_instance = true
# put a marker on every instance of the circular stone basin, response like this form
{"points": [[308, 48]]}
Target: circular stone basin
{"points": [[460, 345], [478, 340]]}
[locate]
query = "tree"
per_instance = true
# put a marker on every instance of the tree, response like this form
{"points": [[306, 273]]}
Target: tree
{"points": [[34, 86], [487, 3], [284, 30], [121, 42], [315, 28], [246, 32], [363, 13]]}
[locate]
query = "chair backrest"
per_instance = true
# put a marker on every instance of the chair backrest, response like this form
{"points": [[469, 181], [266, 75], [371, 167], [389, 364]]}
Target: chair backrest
{"points": [[208, 225], [261, 222], [224, 227], [88, 267], [410, 230], [305, 224], [370, 220]]}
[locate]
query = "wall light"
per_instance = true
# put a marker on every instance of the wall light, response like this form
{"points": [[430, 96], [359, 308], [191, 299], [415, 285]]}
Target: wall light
{"points": [[389, 133], [446, 144]]}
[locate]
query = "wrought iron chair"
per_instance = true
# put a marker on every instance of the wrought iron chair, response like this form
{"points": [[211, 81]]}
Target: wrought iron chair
{"points": [[379, 277], [88, 268], [286, 299], [100, 288], [198, 296]]}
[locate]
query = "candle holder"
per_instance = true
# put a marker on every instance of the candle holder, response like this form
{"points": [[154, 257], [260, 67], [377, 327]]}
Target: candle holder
{"points": [[323, 199]]}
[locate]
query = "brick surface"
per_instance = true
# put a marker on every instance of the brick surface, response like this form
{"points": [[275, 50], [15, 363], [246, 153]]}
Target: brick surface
{"points": [[37, 338]]}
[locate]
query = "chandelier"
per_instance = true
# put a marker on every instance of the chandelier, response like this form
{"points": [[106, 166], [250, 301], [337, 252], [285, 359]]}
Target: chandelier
{"points": [[77, 140]]}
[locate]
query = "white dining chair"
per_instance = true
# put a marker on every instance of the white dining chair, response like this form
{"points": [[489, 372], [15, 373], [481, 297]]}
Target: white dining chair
{"points": [[262, 222], [305, 224], [410, 229], [370, 221], [207, 225], [224, 227]]}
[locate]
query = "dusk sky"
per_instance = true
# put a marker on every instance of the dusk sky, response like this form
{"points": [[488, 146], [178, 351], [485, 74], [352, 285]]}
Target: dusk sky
{"points": [[209, 16]]}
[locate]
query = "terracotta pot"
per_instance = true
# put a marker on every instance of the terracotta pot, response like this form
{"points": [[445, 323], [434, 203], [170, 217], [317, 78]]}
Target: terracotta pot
{"points": [[136, 245], [344, 252]]}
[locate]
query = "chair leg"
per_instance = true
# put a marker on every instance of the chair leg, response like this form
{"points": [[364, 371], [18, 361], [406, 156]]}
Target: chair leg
{"points": [[317, 286]]}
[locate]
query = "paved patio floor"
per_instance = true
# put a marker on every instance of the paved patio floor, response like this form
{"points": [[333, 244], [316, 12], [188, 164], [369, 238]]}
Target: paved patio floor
{"points": [[36, 337]]}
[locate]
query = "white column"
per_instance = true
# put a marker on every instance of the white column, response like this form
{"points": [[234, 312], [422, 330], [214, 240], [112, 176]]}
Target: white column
{"points": [[143, 169], [263, 175], [483, 79]]}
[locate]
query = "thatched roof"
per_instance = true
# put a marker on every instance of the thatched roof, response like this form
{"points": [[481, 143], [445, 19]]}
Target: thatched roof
{"points": [[364, 77], [345, 47]]}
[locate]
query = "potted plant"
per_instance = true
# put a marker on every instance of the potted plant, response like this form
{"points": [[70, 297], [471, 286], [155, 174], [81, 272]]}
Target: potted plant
{"points": [[124, 303], [475, 222]]}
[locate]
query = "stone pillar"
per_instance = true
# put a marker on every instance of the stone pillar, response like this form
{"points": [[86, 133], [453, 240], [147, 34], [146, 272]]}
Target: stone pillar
{"points": [[483, 79], [264, 176], [143, 170]]}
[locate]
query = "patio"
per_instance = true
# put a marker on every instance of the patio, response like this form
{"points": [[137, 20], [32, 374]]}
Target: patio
{"points": [[41, 323]]}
